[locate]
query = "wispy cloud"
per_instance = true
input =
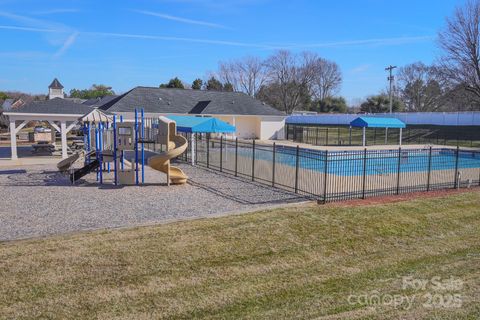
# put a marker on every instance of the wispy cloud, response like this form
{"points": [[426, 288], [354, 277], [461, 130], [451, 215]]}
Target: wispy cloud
{"points": [[179, 39], [32, 22], [374, 41], [27, 29], [67, 36], [54, 32], [143, 36], [349, 43], [66, 45], [224, 5], [57, 34], [180, 19], [54, 11]]}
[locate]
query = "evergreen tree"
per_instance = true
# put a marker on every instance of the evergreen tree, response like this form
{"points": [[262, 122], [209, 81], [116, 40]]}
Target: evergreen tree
{"points": [[197, 84]]}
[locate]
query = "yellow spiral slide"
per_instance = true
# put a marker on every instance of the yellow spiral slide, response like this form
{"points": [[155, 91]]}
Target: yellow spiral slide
{"points": [[161, 162]]}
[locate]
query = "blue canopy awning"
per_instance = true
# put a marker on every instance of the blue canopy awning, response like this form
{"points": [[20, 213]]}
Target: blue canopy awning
{"points": [[201, 124], [374, 122]]}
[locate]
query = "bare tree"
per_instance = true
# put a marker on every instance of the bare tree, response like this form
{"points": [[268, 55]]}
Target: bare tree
{"points": [[420, 87], [290, 79], [459, 99], [246, 75], [461, 44], [328, 79]]}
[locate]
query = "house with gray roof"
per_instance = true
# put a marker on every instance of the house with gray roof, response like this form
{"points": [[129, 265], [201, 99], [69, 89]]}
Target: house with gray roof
{"points": [[251, 117], [54, 106], [95, 102]]}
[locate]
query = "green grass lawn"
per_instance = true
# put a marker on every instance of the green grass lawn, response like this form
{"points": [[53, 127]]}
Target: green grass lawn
{"points": [[293, 263]]}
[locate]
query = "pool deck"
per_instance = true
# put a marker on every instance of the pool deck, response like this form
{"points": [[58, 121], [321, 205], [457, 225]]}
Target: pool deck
{"points": [[346, 147]]}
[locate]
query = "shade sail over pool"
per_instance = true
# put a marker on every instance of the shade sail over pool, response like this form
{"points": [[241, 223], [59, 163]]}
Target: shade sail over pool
{"points": [[201, 124], [374, 122]]}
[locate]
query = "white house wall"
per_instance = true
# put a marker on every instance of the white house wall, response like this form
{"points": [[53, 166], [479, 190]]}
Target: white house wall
{"points": [[248, 127], [272, 128], [259, 127]]}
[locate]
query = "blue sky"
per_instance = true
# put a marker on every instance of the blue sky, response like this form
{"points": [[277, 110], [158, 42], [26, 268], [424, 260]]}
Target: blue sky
{"points": [[147, 42]]}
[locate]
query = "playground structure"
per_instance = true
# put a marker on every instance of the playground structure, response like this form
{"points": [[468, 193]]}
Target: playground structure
{"points": [[119, 147]]}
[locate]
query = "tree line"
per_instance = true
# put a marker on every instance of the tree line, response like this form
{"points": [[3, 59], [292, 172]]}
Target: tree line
{"points": [[285, 80], [96, 91], [305, 81]]}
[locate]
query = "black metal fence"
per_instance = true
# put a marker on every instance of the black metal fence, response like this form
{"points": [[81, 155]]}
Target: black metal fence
{"points": [[339, 175], [466, 136]]}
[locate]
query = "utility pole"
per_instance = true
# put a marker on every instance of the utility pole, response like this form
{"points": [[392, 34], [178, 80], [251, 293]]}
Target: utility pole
{"points": [[390, 79]]}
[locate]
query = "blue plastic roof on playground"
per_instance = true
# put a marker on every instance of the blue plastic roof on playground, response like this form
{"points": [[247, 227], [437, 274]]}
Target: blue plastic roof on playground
{"points": [[201, 124], [371, 122]]}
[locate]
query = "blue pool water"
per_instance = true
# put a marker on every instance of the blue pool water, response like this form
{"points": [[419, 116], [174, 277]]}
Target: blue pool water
{"points": [[353, 163]]}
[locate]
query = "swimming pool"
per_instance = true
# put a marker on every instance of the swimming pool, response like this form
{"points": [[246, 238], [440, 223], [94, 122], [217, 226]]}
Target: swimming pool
{"points": [[373, 162]]}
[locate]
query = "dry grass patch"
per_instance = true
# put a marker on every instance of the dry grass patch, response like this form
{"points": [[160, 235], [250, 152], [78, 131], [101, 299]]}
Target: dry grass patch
{"points": [[287, 263]]}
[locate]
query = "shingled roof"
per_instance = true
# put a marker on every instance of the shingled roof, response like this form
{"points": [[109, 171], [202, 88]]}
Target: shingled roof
{"points": [[163, 100], [55, 84], [53, 106], [99, 101]]}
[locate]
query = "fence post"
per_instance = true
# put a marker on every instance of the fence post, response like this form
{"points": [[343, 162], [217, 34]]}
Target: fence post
{"points": [[196, 148], [236, 156], [325, 178], [364, 172], [316, 136], [208, 150], [273, 165], [350, 135], [296, 168], [398, 169], [221, 153], [326, 138], [429, 168], [253, 160], [456, 182], [115, 174]]}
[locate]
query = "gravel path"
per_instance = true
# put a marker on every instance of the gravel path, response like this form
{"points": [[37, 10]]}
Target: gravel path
{"points": [[38, 200]]}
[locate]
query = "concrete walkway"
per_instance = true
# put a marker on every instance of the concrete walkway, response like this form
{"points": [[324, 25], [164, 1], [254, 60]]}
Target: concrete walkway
{"points": [[25, 157]]}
